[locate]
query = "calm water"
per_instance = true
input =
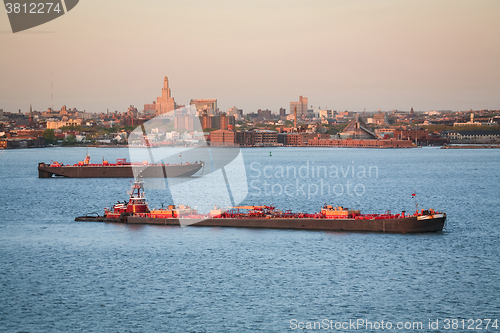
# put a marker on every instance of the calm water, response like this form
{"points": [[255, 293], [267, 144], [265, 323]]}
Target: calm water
{"points": [[59, 275]]}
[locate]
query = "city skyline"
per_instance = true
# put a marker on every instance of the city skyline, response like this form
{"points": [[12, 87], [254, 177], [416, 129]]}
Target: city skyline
{"points": [[352, 55]]}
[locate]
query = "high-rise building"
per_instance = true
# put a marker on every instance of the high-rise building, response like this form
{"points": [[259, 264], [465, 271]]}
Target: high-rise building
{"points": [[149, 108], [166, 102], [235, 112], [223, 121], [264, 114], [186, 122], [301, 106], [220, 121], [132, 112], [325, 113], [205, 105]]}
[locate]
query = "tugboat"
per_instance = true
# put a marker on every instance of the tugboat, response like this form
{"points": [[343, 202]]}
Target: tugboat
{"points": [[136, 211], [136, 204], [120, 169]]}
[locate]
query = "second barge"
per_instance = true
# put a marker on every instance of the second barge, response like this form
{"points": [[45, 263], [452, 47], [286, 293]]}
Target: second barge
{"points": [[120, 169]]}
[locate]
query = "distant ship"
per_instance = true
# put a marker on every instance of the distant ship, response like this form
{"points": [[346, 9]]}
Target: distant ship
{"points": [[136, 211], [120, 169]]}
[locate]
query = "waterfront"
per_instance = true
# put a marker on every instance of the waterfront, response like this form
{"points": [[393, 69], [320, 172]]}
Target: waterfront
{"points": [[60, 275]]}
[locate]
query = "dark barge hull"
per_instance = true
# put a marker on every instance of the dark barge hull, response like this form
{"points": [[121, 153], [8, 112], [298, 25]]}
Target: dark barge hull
{"points": [[119, 171], [410, 224]]}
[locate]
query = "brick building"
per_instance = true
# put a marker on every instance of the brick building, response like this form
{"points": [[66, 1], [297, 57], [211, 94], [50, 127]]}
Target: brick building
{"points": [[132, 121], [222, 138], [244, 138], [360, 143], [264, 114], [380, 118], [59, 124], [256, 138], [265, 138], [413, 134], [299, 139], [221, 121], [150, 107]]}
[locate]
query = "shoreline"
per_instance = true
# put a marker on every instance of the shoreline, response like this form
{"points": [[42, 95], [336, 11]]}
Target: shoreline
{"points": [[472, 147]]}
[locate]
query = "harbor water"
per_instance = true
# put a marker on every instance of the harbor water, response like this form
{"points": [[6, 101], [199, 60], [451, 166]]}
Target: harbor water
{"points": [[59, 275]]}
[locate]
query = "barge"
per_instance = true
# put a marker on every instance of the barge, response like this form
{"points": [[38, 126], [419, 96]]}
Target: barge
{"points": [[136, 211], [120, 169]]}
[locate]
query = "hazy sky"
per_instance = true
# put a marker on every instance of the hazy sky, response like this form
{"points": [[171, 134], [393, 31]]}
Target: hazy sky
{"points": [[345, 54]]}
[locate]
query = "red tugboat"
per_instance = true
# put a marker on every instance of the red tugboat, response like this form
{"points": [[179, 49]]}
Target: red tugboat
{"points": [[136, 205], [332, 218]]}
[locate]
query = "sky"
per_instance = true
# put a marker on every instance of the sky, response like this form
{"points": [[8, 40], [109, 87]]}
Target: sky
{"points": [[341, 54]]}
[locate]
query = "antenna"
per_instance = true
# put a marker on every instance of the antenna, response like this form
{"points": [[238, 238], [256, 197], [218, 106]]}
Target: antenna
{"points": [[51, 92], [414, 196]]}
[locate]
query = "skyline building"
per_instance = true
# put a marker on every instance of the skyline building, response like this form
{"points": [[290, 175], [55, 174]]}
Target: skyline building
{"points": [[301, 106], [264, 114], [380, 118], [165, 103], [186, 122], [150, 109], [237, 113], [325, 113], [205, 105]]}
